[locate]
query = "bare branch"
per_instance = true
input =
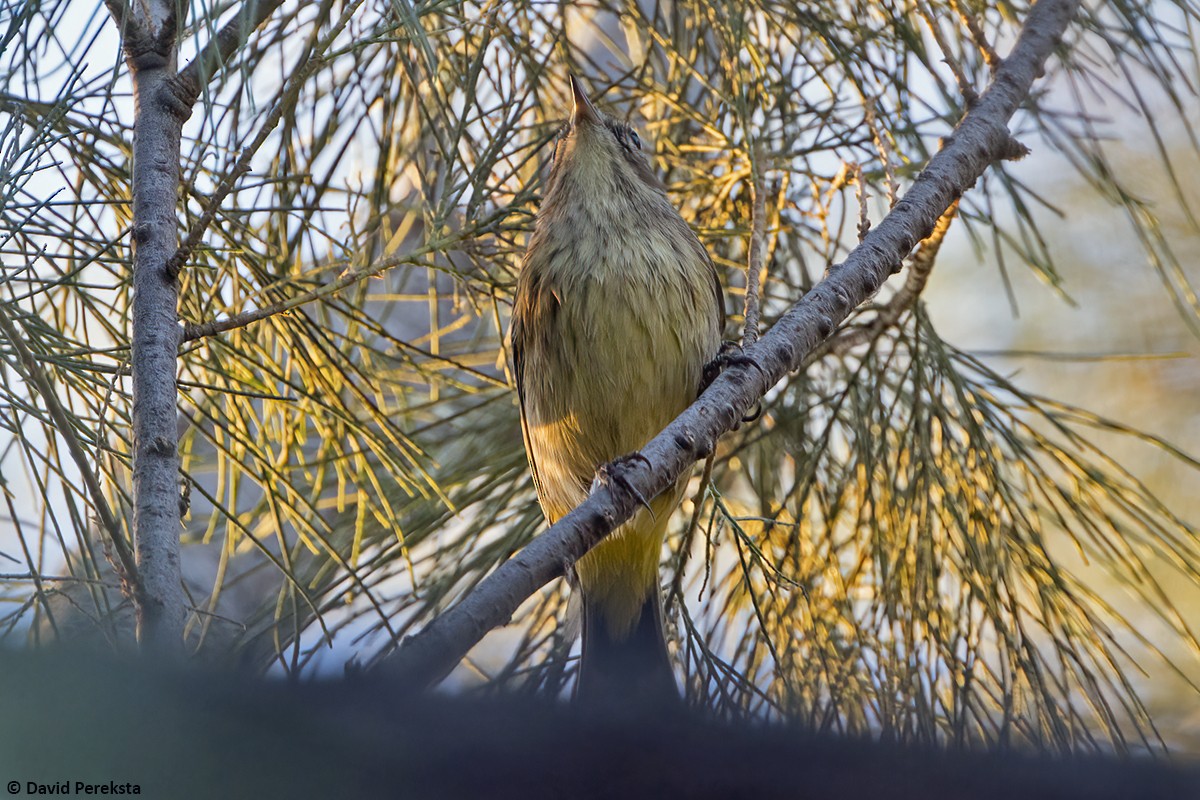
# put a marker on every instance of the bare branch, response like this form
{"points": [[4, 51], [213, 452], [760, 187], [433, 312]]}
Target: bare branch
{"points": [[754, 264], [191, 79], [980, 139], [163, 101]]}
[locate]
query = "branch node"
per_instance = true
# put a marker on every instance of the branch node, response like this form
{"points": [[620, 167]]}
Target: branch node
{"points": [[174, 100], [1013, 150], [824, 327], [147, 50]]}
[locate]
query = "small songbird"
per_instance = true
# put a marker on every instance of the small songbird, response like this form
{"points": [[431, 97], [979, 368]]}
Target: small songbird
{"points": [[617, 314]]}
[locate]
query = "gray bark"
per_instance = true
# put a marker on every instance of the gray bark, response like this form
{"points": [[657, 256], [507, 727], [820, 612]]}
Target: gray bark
{"points": [[980, 139], [149, 33]]}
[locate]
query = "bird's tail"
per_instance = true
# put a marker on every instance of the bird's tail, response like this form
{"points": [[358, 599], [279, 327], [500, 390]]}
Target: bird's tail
{"points": [[629, 669]]}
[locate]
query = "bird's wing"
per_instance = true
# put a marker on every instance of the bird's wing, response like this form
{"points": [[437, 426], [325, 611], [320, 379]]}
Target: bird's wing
{"points": [[517, 343], [718, 291]]}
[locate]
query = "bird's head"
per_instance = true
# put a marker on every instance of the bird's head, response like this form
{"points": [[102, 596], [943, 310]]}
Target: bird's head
{"points": [[596, 153]]}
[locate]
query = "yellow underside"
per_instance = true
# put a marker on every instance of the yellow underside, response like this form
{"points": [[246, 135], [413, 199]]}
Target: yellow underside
{"points": [[618, 574]]}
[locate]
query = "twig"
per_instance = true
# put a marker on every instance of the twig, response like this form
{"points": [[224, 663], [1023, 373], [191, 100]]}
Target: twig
{"points": [[980, 139], [191, 79], [885, 154], [685, 548], [757, 249], [33, 576], [212, 328], [960, 76], [860, 192], [989, 55]]}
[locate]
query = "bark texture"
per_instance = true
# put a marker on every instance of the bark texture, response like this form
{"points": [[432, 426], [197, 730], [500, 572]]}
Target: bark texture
{"points": [[149, 34]]}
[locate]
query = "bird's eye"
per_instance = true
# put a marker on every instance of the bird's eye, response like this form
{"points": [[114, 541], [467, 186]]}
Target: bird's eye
{"points": [[633, 137]]}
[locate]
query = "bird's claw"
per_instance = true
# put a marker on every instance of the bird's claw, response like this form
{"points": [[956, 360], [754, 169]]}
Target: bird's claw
{"points": [[611, 473], [731, 355]]}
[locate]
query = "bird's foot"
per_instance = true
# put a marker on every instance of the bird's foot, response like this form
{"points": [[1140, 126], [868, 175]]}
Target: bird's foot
{"points": [[731, 355], [612, 473]]}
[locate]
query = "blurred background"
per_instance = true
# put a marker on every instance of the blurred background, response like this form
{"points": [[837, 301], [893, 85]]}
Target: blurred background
{"points": [[1111, 338]]}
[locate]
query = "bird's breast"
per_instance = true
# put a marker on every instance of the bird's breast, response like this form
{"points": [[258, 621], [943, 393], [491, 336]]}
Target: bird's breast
{"points": [[626, 323]]}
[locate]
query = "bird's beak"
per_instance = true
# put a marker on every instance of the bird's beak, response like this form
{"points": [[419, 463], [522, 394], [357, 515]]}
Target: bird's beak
{"points": [[581, 108]]}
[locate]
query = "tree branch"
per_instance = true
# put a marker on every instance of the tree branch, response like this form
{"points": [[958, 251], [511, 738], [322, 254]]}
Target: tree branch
{"points": [[757, 248], [163, 100], [980, 139], [191, 79]]}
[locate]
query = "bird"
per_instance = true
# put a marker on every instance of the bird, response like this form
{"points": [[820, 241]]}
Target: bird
{"points": [[618, 313]]}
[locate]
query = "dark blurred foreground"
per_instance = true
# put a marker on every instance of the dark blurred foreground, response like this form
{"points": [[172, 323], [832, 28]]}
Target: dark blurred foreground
{"points": [[69, 719]]}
